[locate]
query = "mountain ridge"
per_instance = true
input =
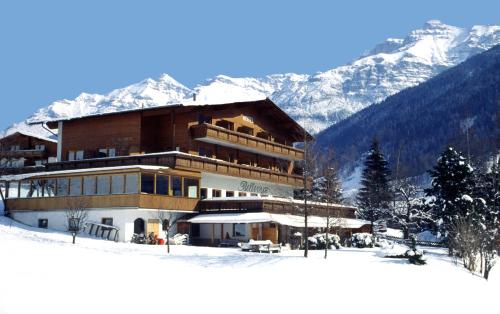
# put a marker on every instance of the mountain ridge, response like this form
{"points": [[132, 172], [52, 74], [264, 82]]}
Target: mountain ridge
{"points": [[314, 100]]}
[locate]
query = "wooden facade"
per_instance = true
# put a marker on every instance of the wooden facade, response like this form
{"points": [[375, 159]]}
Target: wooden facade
{"points": [[254, 134]]}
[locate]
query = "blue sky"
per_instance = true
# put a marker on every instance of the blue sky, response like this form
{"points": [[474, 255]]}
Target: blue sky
{"points": [[51, 50]]}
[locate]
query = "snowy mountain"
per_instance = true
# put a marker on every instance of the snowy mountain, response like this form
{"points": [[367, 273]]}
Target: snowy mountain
{"points": [[316, 101], [458, 107]]}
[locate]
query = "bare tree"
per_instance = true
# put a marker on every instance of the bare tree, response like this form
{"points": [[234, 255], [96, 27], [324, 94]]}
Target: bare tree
{"points": [[327, 189], [77, 215], [308, 169], [167, 220]]}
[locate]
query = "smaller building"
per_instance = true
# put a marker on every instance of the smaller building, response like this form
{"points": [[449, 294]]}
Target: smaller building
{"points": [[22, 151]]}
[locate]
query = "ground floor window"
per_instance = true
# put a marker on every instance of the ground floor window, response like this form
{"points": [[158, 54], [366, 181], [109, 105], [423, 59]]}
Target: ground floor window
{"points": [[203, 193], [239, 230], [216, 193], [107, 221], [43, 223], [229, 193]]}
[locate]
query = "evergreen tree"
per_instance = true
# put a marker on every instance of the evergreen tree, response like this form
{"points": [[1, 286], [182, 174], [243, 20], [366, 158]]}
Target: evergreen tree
{"points": [[452, 180], [374, 196], [488, 195]]}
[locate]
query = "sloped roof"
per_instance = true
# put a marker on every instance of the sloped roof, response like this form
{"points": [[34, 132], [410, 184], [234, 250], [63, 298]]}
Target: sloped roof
{"points": [[25, 133]]}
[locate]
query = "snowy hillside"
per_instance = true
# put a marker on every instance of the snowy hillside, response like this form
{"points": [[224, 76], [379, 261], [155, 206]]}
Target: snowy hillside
{"points": [[42, 272], [316, 101]]}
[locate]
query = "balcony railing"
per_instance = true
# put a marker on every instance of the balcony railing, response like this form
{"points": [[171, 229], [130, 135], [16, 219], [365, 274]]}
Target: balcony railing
{"points": [[26, 153], [185, 161], [106, 201], [218, 135], [277, 206]]}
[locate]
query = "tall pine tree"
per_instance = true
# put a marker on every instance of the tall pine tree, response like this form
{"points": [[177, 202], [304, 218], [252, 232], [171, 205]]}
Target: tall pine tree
{"points": [[374, 196], [452, 178]]}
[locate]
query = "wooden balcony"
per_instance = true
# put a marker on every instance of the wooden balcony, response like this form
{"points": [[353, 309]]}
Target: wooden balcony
{"points": [[27, 153], [178, 160], [217, 135], [277, 206], [147, 201]]}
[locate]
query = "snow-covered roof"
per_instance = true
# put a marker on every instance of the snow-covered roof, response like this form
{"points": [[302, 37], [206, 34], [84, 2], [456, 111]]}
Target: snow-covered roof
{"points": [[186, 103], [26, 133], [282, 219], [17, 177]]}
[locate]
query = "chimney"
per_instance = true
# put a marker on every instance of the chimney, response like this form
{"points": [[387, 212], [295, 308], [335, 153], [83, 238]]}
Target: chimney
{"points": [[194, 97]]}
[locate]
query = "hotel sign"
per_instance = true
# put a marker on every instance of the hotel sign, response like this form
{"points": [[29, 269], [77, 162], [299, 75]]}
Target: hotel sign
{"points": [[252, 187], [228, 183]]}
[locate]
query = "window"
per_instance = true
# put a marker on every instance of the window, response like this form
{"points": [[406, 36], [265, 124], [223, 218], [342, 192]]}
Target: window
{"points": [[162, 185], [216, 193], [39, 147], [71, 155], [191, 187], [106, 152], [89, 185], [62, 187], [176, 186], [254, 194], [15, 147], [242, 194], [79, 155], [246, 130], [50, 188], [103, 185], [147, 183], [75, 187], [239, 230], [195, 230], [131, 183], [25, 190], [229, 193], [204, 119], [205, 152], [107, 221], [40, 162], [13, 189], [103, 152], [203, 193], [43, 223], [117, 184]]}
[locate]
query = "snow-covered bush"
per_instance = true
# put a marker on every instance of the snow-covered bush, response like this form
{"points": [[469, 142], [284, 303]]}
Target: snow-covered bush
{"points": [[362, 240], [413, 255], [318, 241]]}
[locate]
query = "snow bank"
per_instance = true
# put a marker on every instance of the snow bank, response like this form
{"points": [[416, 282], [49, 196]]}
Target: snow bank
{"points": [[42, 272]]}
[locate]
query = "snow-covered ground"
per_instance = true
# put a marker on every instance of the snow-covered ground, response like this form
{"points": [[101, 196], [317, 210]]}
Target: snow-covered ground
{"points": [[42, 272]]}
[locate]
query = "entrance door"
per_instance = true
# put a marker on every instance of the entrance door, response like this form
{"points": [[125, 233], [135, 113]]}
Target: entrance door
{"points": [[139, 226]]}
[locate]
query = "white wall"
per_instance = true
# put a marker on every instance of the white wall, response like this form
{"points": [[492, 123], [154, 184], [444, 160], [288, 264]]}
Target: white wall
{"points": [[122, 218]]}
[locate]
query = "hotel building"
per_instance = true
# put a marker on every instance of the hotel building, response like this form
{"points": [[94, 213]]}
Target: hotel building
{"points": [[219, 170]]}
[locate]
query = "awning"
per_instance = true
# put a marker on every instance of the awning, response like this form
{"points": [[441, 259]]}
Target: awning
{"points": [[282, 219]]}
